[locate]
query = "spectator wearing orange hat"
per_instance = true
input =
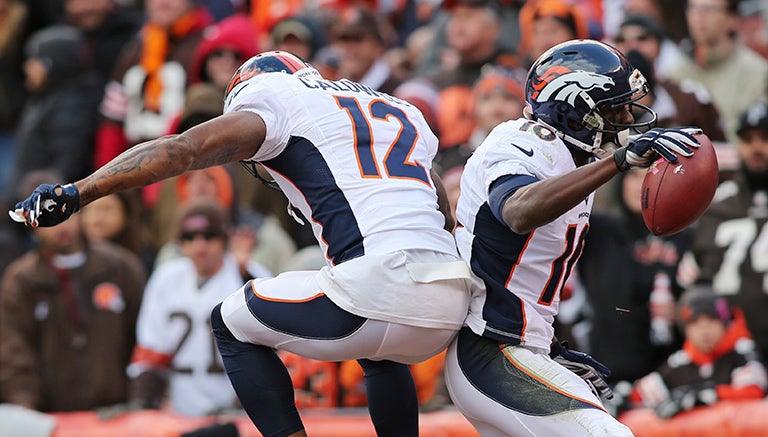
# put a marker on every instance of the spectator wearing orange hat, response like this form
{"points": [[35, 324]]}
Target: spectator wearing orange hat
{"points": [[545, 23], [496, 97]]}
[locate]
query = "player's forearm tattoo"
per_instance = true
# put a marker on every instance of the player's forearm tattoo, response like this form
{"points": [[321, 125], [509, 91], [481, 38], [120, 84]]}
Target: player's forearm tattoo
{"points": [[223, 155], [140, 165]]}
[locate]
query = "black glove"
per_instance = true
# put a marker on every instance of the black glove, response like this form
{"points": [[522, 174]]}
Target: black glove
{"points": [[589, 369], [48, 205], [685, 398], [642, 150]]}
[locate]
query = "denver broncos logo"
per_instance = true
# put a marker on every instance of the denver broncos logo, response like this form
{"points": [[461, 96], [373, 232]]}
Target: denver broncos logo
{"points": [[564, 85]]}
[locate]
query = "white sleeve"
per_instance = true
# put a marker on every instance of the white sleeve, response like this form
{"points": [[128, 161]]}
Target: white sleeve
{"points": [[502, 158], [268, 98]]}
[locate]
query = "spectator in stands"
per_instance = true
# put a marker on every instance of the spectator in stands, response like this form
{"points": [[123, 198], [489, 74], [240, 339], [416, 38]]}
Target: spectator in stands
{"points": [[13, 17], [405, 58], [734, 75], [174, 340], [728, 239], [116, 218], [67, 319], [683, 104], [718, 360], [671, 16], [753, 25], [147, 87], [224, 47], [630, 279], [57, 125], [643, 33], [265, 16], [273, 245], [107, 28], [362, 39], [301, 35], [472, 34], [496, 97], [544, 23]]}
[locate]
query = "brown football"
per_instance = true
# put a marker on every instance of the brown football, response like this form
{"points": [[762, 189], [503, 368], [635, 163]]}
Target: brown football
{"points": [[676, 195]]}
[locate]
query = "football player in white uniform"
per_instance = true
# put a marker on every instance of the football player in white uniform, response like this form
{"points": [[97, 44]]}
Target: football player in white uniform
{"points": [[357, 164], [523, 212]]}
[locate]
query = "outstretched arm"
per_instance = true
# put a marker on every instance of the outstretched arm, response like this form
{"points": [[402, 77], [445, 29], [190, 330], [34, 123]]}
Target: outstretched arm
{"points": [[224, 139], [541, 202]]}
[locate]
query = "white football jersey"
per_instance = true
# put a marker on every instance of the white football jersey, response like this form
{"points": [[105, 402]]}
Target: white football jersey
{"points": [[354, 161], [174, 321], [517, 277]]}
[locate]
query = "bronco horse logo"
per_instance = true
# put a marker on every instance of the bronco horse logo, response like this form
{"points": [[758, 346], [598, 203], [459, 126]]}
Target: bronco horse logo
{"points": [[562, 84]]}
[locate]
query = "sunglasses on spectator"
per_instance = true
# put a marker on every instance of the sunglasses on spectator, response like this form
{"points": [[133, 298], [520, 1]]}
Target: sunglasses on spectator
{"points": [[642, 37], [207, 235]]}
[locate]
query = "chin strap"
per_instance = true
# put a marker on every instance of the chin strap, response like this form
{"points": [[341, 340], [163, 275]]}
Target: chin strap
{"points": [[250, 166]]}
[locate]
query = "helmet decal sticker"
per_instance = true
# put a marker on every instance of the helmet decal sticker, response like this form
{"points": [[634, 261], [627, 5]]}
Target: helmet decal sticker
{"points": [[560, 86]]}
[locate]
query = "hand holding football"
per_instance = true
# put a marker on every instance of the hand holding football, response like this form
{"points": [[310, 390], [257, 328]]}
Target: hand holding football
{"points": [[676, 195]]}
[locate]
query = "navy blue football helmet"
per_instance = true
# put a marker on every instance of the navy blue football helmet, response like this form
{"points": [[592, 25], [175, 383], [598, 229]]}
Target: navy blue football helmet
{"points": [[270, 62], [570, 84]]}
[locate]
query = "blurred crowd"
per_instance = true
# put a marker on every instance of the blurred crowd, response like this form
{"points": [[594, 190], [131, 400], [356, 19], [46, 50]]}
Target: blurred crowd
{"points": [[89, 310]]}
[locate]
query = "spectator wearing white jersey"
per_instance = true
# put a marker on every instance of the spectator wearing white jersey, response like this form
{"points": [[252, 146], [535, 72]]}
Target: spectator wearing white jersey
{"points": [[174, 340]]}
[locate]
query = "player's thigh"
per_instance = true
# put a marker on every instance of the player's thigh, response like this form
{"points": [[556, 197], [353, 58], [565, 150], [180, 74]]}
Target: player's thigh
{"points": [[512, 391], [290, 312]]}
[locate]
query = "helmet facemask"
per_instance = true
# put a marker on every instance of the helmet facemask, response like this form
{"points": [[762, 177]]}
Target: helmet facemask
{"points": [[609, 134]]}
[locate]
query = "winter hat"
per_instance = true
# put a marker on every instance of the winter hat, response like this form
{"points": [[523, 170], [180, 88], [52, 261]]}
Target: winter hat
{"points": [[61, 48], [498, 78], [702, 300], [755, 117]]}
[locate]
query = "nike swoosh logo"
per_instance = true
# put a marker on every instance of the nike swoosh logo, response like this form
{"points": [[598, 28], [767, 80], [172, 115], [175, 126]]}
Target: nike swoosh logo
{"points": [[527, 152]]}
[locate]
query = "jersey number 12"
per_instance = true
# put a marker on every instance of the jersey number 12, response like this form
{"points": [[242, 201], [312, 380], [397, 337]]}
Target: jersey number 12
{"points": [[397, 159]]}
